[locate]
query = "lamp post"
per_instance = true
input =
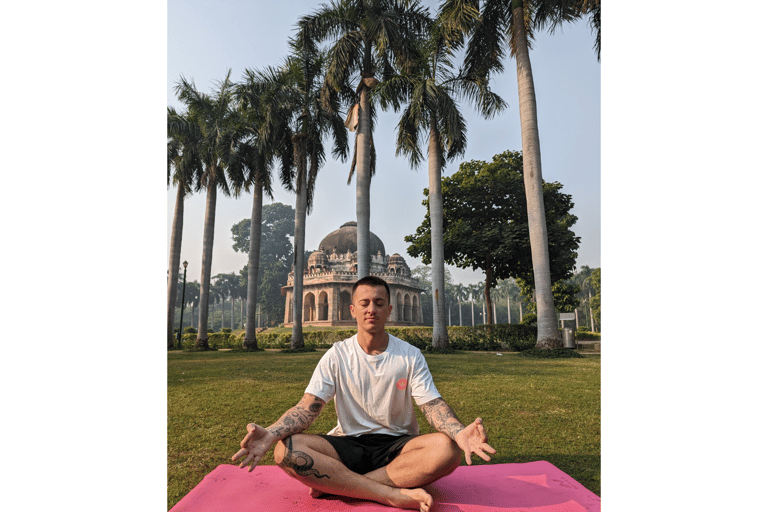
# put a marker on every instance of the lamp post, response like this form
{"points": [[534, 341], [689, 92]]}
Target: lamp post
{"points": [[183, 301]]}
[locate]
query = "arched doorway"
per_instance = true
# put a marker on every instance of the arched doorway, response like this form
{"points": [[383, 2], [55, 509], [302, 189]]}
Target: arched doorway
{"points": [[345, 300], [322, 307], [309, 307]]}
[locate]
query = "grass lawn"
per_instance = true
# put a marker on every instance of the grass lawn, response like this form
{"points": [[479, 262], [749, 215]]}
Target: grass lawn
{"points": [[533, 409]]}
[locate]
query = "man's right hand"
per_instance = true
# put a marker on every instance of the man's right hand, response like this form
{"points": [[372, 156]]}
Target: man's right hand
{"points": [[254, 445]]}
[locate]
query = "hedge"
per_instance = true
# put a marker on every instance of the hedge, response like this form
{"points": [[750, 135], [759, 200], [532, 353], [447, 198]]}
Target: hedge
{"points": [[501, 337]]}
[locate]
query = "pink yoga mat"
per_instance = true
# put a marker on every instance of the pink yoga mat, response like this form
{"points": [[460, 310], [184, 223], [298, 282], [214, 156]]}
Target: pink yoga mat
{"points": [[530, 487]]}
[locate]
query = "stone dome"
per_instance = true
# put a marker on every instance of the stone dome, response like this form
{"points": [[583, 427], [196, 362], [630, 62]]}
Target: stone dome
{"points": [[397, 265], [345, 239], [317, 259]]}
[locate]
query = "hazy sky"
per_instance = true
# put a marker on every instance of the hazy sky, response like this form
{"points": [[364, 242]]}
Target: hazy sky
{"points": [[205, 39]]}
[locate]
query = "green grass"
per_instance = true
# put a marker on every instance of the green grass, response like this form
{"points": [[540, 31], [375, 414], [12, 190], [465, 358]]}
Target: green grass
{"points": [[533, 409]]}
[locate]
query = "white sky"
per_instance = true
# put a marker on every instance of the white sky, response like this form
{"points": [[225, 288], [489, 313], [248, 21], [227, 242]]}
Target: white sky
{"points": [[205, 39]]}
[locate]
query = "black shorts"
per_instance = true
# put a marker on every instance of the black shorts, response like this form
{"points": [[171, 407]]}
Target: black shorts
{"points": [[367, 452]]}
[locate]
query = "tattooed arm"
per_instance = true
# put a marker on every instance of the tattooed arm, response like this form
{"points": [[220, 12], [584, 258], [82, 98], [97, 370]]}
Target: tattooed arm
{"points": [[298, 418], [442, 418], [471, 439], [259, 440]]}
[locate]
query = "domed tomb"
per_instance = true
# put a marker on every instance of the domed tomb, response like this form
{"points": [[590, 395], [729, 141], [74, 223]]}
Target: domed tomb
{"points": [[330, 273], [345, 239]]}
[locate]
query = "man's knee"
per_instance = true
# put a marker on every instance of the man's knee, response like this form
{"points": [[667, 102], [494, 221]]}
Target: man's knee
{"points": [[445, 454]]}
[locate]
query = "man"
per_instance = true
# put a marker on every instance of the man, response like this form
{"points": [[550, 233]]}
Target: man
{"points": [[374, 452]]}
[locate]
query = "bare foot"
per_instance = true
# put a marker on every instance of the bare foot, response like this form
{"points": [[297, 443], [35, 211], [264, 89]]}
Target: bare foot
{"points": [[417, 499], [315, 493]]}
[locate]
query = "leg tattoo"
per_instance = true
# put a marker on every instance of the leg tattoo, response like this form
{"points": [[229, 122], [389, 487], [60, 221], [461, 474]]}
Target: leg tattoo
{"points": [[299, 462]]}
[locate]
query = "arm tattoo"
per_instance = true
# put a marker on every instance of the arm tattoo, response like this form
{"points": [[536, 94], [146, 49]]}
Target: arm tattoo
{"points": [[440, 415], [298, 418], [299, 462]]}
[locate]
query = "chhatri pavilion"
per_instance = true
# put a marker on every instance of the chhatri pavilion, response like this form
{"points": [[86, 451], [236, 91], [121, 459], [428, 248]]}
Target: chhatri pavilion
{"points": [[331, 271]]}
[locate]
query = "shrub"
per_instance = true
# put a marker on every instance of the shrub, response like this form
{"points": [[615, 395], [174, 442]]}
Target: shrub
{"points": [[529, 319], [190, 330], [226, 329]]}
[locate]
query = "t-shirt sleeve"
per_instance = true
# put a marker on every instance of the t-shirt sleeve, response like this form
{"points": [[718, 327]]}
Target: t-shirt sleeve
{"points": [[322, 384], [423, 388]]}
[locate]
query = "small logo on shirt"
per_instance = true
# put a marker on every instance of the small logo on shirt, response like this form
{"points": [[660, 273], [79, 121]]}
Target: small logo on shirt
{"points": [[402, 384]]}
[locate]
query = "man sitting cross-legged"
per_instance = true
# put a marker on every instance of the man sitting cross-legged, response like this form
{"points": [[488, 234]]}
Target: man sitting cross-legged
{"points": [[375, 451]]}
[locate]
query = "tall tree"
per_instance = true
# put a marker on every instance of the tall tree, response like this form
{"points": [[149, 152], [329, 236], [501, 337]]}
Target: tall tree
{"points": [[486, 223], [370, 38], [184, 165], [301, 111], [432, 114], [251, 169], [275, 254], [490, 28], [213, 115]]}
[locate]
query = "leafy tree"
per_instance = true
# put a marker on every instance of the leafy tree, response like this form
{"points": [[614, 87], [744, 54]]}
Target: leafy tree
{"points": [[369, 38], [486, 223], [510, 22], [276, 254], [276, 229], [212, 114], [432, 114], [184, 165]]}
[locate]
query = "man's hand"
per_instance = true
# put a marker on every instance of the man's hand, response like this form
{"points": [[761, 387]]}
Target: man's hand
{"points": [[256, 443], [472, 439]]}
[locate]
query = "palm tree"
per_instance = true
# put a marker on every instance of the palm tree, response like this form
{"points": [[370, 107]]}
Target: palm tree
{"points": [[301, 110], [370, 37], [213, 117], [511, 21], [432, 110], [251, 169], [183, 166]]}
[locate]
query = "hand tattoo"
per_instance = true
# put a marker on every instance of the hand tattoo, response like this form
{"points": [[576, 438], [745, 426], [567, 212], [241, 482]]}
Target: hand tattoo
{"points": [[301, 463], [440, 415]]}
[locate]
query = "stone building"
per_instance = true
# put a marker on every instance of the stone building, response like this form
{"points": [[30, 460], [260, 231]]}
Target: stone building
{"points": [[331, 271]]}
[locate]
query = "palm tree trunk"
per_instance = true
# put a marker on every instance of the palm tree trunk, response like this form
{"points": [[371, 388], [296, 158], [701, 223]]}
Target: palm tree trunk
{"points": [[254, 248], [363, 202], [297, 338], [201, 343], [173, 264], [548, 335], [439, 330]]}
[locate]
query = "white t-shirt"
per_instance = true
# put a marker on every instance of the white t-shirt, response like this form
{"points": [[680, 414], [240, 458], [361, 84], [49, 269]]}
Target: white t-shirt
{"points": [[372, 394]]}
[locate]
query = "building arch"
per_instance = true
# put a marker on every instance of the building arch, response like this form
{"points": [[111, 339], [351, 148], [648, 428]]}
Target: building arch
{"points": [[322, 306], [345, 300], [309, 307]]}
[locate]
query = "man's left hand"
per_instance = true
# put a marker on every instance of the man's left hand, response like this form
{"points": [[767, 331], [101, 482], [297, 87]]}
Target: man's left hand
{"points": [[472, 439]]}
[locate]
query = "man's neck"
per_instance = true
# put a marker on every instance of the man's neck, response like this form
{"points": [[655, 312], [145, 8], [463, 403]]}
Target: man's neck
{"points": [[373, 344]]}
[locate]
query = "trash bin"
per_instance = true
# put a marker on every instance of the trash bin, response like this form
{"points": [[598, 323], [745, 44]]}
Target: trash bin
{"points": [[568, 339]]}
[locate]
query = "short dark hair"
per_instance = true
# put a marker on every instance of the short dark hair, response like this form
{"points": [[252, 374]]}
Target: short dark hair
{"points": [[372, 281]]}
